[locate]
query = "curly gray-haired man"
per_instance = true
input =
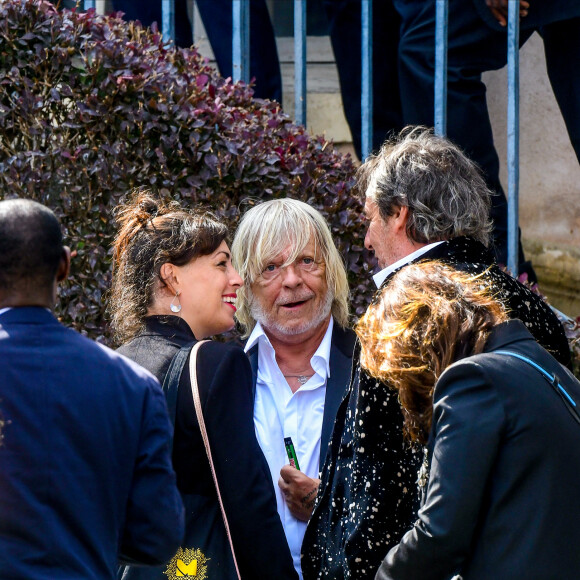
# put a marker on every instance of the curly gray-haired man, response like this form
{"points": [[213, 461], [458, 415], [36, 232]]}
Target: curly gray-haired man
{"points": [[294, 310], [424, 199]]}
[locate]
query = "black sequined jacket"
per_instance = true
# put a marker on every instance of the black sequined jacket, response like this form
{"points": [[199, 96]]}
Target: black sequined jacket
{"points": [[368, 495]]}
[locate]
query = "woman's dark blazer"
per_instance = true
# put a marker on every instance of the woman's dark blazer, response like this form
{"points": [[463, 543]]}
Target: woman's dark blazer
{"points": [[502, 495], [225, 385]]}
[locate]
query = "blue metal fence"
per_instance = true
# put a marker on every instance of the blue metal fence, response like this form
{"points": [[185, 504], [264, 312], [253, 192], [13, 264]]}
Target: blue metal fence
{"points": [[513, 134], [241, 40], [300, 61], [367, 77], [168, 18], [241, 60], [513, 121], [441, 20]]}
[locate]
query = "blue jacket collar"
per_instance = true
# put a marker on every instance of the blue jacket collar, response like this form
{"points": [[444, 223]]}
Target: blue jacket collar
{"points": [[28, 315]]}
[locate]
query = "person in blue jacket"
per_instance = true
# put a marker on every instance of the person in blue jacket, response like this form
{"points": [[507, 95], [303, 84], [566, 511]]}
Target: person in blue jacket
{"points": [[85, 468]]}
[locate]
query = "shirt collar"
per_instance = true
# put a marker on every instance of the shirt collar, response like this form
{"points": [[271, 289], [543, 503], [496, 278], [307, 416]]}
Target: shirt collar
{"points": [[322, 354], [381, 276], [3, 310]]}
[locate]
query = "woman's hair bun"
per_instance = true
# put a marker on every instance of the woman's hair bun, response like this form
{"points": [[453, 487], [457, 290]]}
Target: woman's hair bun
{"points": [[141, 208], [147, 205]]}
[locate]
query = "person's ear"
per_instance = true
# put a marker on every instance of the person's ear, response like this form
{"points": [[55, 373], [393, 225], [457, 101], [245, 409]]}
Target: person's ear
{"points": [[168, 274], [400, 216], [64, 265]]}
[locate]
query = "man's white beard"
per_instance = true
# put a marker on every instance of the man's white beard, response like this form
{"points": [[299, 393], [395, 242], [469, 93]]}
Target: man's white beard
{"points": [[269, 322]]}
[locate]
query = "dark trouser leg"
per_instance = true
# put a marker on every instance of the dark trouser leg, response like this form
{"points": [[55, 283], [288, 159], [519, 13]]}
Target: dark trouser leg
{"points": [[345, 23], [146, 11], [264, 64], [473, 49], [562, 48], [217, 20], [149, 11]]}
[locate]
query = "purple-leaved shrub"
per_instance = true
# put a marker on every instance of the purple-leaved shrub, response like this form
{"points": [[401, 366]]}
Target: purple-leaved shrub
{"points": [[92, 106]]}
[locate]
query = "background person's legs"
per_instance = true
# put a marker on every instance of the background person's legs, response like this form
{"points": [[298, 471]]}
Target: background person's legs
{"points": [[473, 48], [149, 11], [562, 49], [264, 63], [345, 33]]}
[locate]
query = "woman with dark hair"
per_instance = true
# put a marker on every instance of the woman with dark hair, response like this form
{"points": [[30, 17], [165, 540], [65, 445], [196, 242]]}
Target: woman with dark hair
{"points": [[174, 284], [499, 417]]}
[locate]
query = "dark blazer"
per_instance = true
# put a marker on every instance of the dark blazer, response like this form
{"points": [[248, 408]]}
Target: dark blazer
{"points": [[224, 379], [341, 349], [368, 493], [502, 495], [85, 468]]}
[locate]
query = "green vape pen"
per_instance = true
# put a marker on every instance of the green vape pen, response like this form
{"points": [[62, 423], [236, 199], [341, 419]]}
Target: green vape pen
{"points": [[291, 452]]}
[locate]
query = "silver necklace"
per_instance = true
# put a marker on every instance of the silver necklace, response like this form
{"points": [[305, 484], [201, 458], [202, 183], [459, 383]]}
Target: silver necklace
{"points": [[302, 379]]}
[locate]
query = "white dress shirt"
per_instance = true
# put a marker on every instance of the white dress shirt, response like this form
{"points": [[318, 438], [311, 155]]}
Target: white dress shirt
{"points": [[279, 413], [379, 277]]}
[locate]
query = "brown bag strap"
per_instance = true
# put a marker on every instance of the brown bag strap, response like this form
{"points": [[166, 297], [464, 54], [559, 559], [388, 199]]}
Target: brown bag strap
{"points": [[199, 413]]}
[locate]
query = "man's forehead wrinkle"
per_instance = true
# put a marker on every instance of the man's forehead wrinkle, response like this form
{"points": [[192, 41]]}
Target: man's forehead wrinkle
{"points": [[370, 207], [292, 250], [291, 254]]}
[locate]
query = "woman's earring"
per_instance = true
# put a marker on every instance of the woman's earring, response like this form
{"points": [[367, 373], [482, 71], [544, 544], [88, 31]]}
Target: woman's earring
{"points": [[175, 307]]}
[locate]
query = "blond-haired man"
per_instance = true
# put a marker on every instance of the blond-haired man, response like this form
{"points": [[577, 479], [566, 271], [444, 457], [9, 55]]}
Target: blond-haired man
{"points": [[294, 311]]}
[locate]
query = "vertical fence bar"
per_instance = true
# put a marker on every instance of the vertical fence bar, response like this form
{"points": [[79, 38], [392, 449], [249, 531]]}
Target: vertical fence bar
{"points": [[513, 136], [367, 78], [300, 61], [88, 4], [241, 40], [441, 27], [168, 20]]}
